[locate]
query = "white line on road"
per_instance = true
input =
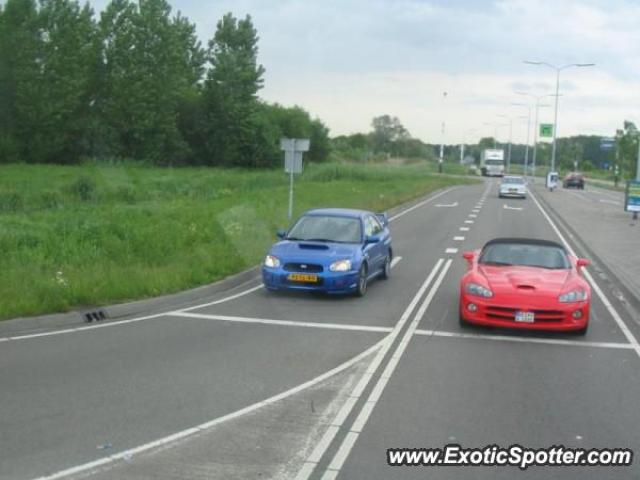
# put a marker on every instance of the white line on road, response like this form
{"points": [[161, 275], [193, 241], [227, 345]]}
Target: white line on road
{"points": [[507, 207], [451, 250], [285, 323], [364, 414], [473, 215], [458, 239], [344, 412], [418, 205], [464, 229], [614, 313], [611, 202], [504, 338], [468, 221], [395, 261], [449, 205], [126, 454]]}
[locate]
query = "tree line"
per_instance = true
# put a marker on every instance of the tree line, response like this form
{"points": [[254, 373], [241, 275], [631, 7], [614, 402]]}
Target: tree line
{"points": [[135, 82]]}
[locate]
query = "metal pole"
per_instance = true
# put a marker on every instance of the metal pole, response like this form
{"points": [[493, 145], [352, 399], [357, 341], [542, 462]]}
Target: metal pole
{"points": [[535, 138], [441, 159], [638, 163], [510, 138], [526, 148], [555, 123], [291, 183], [462, 152]]}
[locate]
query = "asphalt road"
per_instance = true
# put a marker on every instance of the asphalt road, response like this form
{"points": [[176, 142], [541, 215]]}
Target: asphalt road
{"points": [[162, 397]]}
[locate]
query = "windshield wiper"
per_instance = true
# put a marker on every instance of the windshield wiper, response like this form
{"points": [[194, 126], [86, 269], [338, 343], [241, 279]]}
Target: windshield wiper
{"points": [[499, 264], [319, 240]]}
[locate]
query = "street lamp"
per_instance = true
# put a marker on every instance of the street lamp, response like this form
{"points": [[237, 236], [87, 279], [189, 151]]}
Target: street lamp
{"points": [[558, 69], [441, 159], [526, 148], [510, 139], [537, 98]]}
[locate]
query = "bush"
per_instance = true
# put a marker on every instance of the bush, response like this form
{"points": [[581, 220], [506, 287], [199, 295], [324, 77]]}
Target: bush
{"points": [[84, 188]]}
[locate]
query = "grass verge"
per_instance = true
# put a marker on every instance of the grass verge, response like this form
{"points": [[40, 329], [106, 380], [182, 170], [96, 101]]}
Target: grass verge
{"points": [[94, 235]]}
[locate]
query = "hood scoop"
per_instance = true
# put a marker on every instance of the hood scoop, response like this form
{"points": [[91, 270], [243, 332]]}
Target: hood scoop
{"points": [[525, 287], [313, 246]]}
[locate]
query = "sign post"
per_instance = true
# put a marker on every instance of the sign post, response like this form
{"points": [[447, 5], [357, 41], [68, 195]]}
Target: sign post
{"points": [[546, 130], [293, 149], [632, 198]]}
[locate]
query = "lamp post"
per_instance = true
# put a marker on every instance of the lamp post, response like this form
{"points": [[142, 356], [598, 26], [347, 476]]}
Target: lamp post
{"points": [[441, 159], [510, 140], [537, 99], [558, 69], [526, 148]]}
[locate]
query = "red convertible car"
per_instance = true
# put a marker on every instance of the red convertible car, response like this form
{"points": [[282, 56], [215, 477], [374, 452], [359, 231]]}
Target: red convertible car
{"points": [[528, 284]]}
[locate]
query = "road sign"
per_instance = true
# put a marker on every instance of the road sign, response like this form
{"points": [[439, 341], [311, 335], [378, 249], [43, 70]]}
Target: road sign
{"points": [[632, 196], [293, 148], [546, 130], [607, 143]]}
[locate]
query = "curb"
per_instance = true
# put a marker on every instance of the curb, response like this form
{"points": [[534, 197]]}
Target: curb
{"points": [[629, 299], [149, 306]]}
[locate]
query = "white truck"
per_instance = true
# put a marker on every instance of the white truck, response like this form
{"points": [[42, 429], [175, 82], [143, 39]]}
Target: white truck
{"points": [[492, 162]]}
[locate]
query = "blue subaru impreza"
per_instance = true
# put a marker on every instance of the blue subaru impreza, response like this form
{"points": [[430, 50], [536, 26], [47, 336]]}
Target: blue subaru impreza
{"points": [[332, 250]]}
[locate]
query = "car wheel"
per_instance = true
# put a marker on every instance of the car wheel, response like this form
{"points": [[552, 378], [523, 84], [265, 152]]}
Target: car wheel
{"points": [[361, 287], [386, 270]]}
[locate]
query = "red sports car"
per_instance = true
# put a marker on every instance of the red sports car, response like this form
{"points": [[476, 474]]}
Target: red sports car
{"points": [[522, 283]]}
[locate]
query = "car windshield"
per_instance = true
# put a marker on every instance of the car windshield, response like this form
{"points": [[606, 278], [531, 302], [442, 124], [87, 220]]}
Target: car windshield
{"points": [[513, 180], [326, 228], [524, 254]]}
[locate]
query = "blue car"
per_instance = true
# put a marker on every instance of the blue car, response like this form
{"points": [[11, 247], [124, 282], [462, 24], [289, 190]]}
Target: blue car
{"points": [[331, 250]]}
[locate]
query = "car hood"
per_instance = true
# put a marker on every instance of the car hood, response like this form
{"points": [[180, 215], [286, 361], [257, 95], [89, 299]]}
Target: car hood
{"points": [[319, 252], [539, 281]]}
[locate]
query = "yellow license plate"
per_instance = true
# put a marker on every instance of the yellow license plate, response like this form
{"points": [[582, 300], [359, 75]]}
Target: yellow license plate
{"points": [[303, 277]]}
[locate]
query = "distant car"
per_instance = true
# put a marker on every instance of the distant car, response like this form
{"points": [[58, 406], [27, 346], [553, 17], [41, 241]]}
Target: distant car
{"points": [[573, 180], [513, 186], [525, 284], [330, 250]]}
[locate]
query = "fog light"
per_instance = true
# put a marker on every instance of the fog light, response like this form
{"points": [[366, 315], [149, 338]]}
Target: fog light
{"points": [[577, 314], [472, 307]]}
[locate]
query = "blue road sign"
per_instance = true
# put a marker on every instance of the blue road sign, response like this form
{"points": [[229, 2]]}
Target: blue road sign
{"points": [[607, 143]]}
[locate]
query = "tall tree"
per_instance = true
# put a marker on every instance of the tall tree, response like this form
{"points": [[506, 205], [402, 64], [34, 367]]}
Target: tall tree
{"points": [[386, 131], [231, 128], [150, 62]]}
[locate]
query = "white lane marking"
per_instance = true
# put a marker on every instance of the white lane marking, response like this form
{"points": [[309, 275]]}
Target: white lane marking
{"points": [[363, 416], [449, 205], [611, 202], [504, 338], [458, 239], [475, 210], [124, 322], [468, 221], [126, 454], [507, 207], [284, 323], [395, 261], [464, 229], [418, 205], [451, 250], [344, 412], [614, 313], [473, 215]]}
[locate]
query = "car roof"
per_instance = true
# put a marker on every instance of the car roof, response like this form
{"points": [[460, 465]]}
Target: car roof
{"points": [[338, 212], [525, 241]]}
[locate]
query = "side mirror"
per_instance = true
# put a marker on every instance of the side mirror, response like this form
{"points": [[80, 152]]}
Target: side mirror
{"points": [[383, 218], [469, 256], [281, 233], [583, 262], [372, 239]]}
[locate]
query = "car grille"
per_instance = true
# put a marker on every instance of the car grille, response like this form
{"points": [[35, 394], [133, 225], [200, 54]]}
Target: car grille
{"points": [[298, 267], [508, 313]]}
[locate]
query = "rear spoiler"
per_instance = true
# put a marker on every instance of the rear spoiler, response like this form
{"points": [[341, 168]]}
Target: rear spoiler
{"points": [[384, 219]]}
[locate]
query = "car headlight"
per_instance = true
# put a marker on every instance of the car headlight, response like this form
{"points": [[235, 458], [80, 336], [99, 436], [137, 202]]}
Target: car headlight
{"points": [[573, 296], [271, 261], [478, 290], [340, 266]]}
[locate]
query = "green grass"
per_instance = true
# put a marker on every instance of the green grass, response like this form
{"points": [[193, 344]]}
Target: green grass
{"points": [[92, 235]]}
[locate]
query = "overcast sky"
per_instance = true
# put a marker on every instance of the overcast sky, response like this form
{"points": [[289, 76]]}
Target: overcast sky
{"points": [[347, 61]]}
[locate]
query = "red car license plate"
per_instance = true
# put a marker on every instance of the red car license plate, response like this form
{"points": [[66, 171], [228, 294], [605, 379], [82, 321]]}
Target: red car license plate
{"points": [[525, 317]]}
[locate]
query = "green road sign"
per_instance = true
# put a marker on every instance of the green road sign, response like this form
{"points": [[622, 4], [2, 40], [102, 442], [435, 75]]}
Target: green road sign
{"points": [[546, 129]]}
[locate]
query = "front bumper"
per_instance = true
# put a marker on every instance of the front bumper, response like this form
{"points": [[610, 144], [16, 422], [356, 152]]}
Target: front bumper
{"points": [[557, 317], [328, 282], [516, 194]]}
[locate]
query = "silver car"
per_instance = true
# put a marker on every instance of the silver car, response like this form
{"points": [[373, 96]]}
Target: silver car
{"points": [[513, 186]]}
